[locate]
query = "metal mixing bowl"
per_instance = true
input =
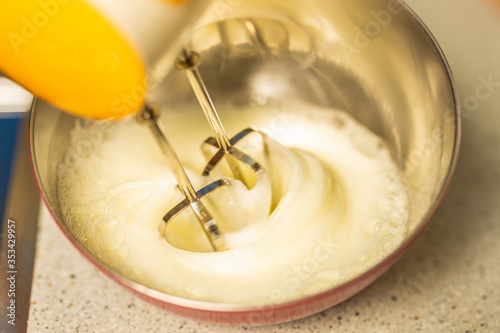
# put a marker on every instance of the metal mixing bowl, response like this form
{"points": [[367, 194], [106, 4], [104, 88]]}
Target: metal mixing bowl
{"points": [[373, 59]]}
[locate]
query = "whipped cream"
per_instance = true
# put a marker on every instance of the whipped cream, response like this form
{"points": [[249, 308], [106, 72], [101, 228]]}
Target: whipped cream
{"points": [[329, 206]]}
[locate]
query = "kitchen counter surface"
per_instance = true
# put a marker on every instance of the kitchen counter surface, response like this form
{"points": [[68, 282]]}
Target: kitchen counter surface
{"points": [[448, 281]]}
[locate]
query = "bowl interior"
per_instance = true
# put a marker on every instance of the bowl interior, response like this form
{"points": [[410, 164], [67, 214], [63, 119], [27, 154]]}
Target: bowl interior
{"points": [[374, 60]]}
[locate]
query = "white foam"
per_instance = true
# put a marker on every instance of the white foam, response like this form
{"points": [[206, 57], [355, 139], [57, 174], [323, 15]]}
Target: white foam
{"points": [[341, 209]]}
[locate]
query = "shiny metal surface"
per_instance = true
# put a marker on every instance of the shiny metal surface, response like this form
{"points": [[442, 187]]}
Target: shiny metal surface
{"points": [[151, 115], [218, 154], [188, 63], [375, 60]]}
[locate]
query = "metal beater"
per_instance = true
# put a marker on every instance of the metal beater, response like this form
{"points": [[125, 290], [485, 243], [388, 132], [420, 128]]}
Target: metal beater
{"points": [[236, 159], [188, 62], [150, 114]]}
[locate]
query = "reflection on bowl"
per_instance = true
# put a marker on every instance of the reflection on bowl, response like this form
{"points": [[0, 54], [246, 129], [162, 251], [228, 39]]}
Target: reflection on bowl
{"points": [[376, 61]]}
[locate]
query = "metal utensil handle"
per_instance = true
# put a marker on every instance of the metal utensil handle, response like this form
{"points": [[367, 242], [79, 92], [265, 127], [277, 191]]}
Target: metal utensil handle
{"points": [[188, 62], [150, 114]]}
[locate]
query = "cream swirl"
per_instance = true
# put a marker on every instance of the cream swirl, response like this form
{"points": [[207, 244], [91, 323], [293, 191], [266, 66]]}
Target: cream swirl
{"points": [[311, 222]]}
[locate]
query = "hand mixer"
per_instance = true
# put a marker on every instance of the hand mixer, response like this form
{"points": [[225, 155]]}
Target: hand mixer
{"points": [[50, 48]]}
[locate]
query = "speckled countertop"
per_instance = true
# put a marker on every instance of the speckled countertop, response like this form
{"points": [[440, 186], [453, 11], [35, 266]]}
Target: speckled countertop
{"points": [[448, 281]]}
